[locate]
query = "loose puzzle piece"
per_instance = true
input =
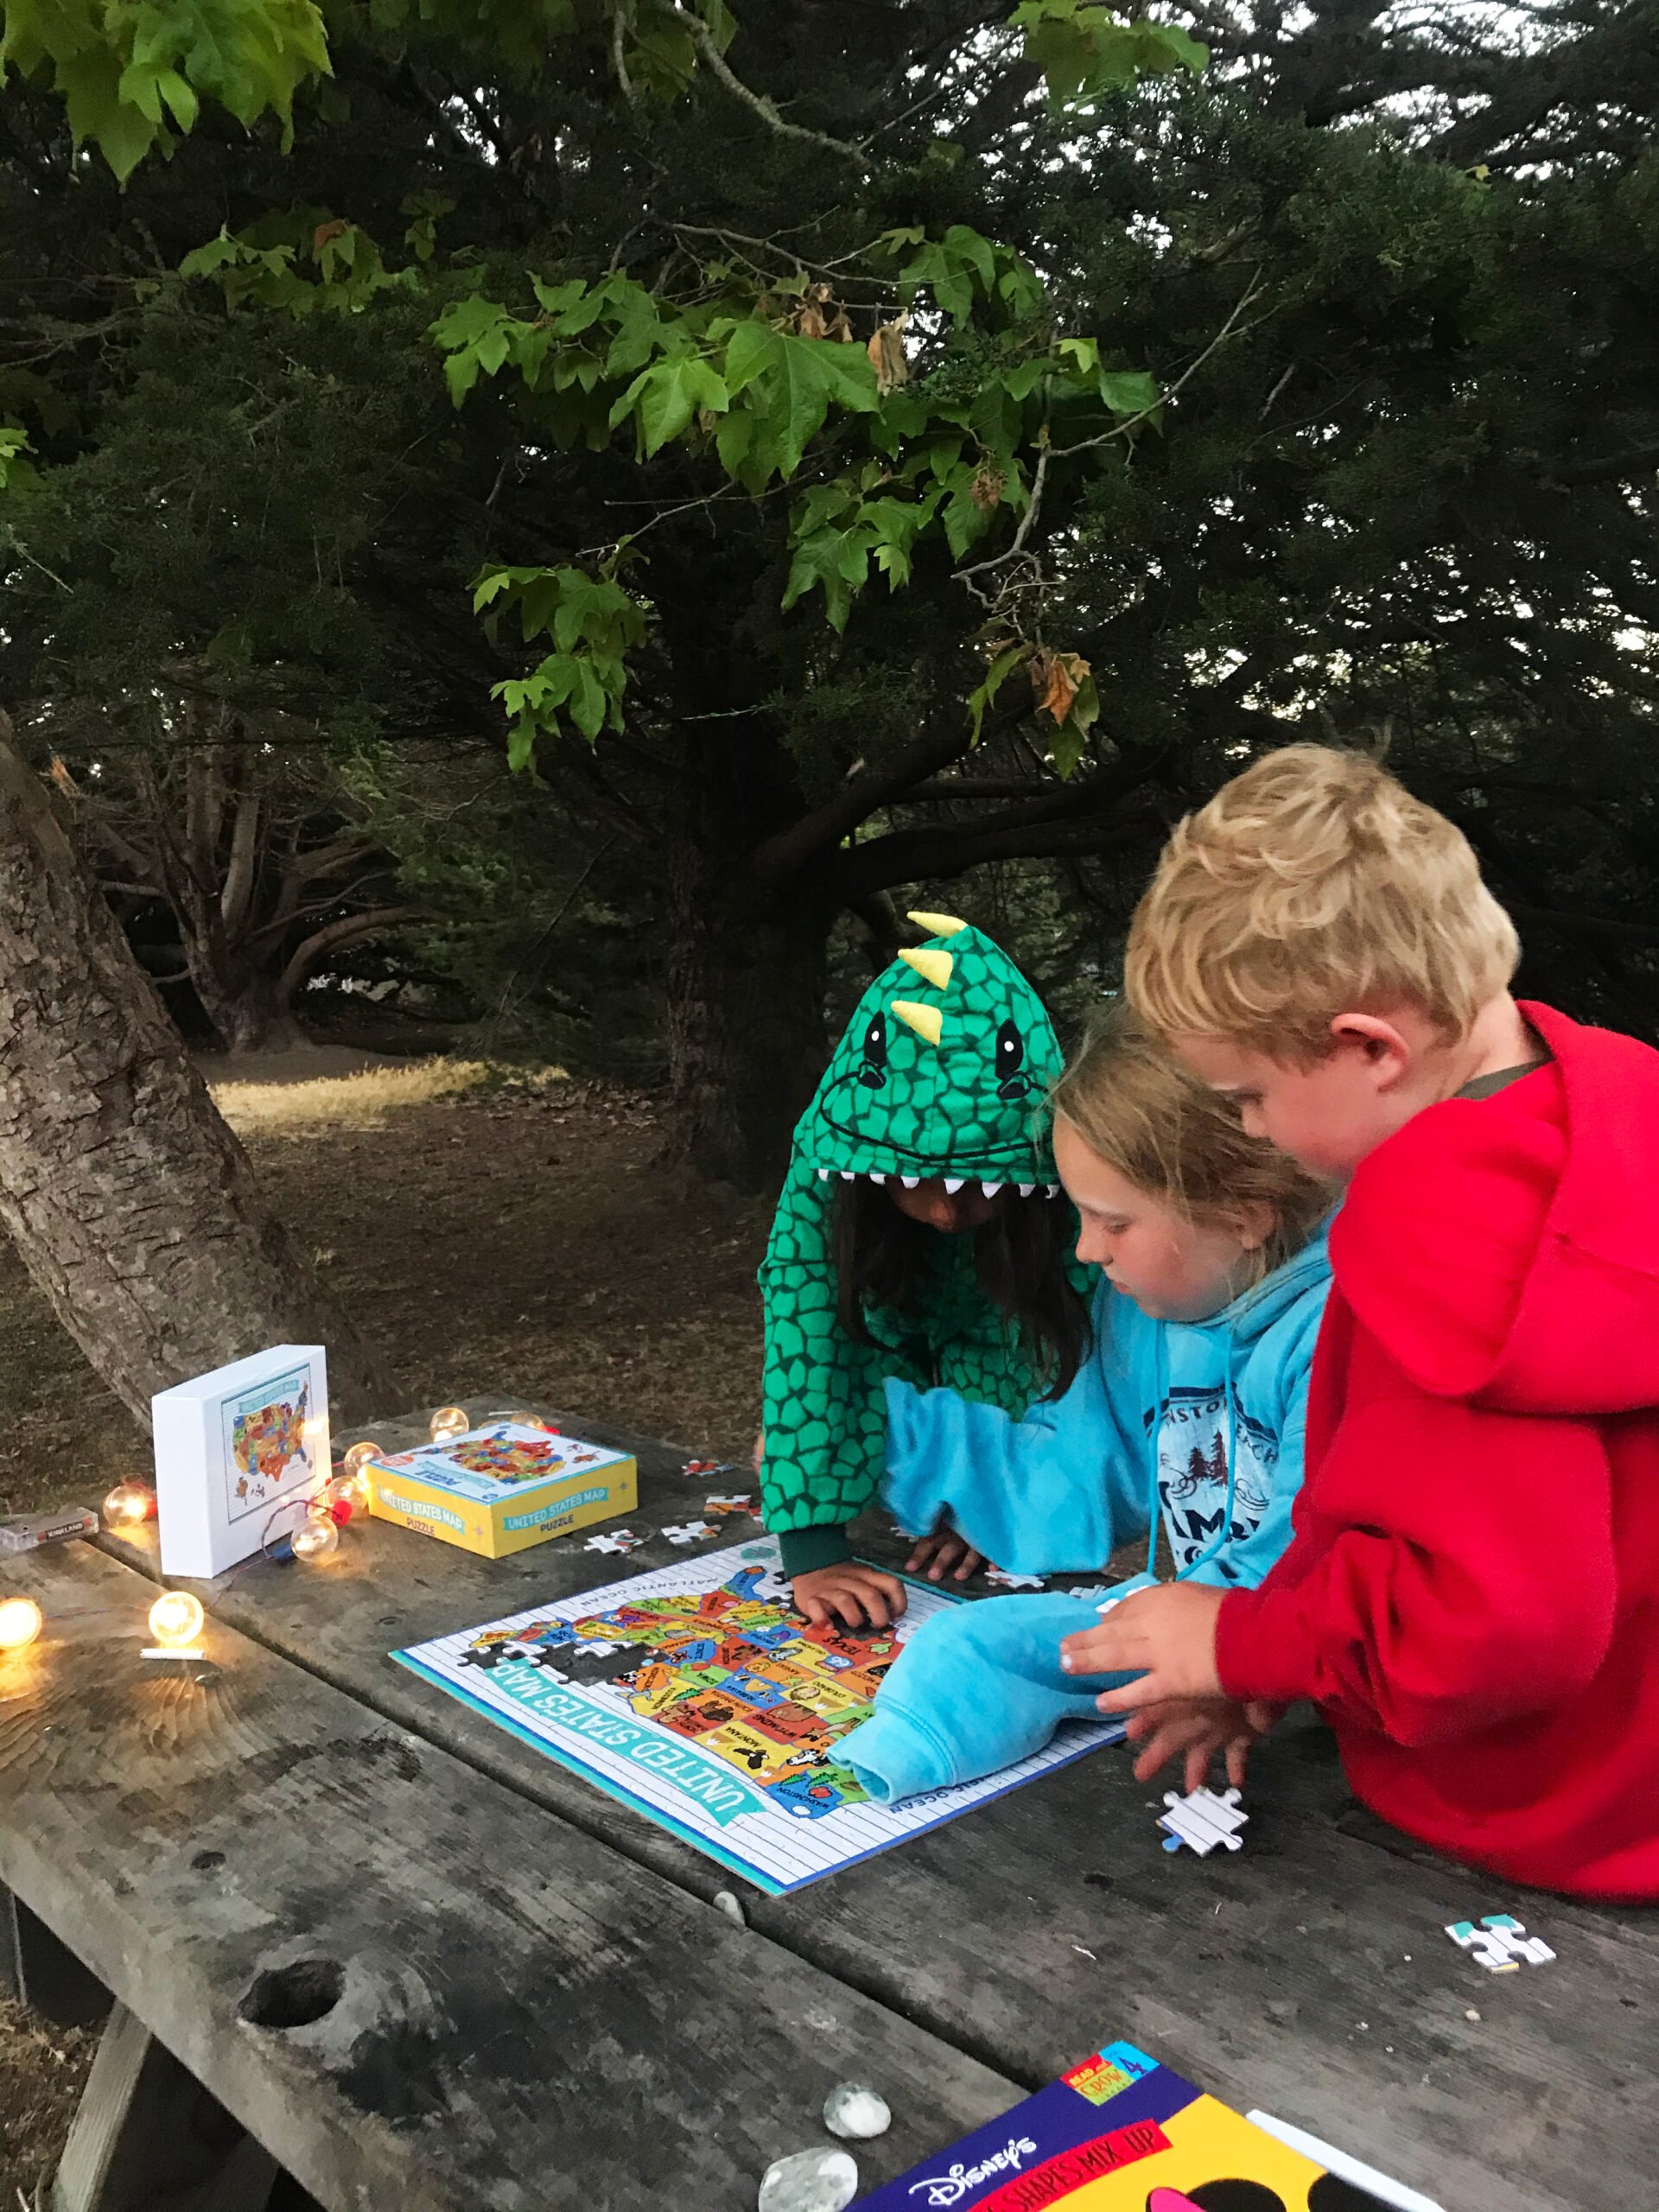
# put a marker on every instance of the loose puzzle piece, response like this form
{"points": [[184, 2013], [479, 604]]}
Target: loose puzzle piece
{"points": [[720, 1508], [996, 1576], [1500, 1943], [692, 1533], [1201, 1819], [709, 1467], [616, 1540]]}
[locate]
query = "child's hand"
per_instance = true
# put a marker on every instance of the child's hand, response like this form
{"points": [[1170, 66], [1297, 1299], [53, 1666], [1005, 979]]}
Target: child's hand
{"points": [[941, 1551], [850, 1593], [1165, 1637], [1194, 1730], [758, 1458]]}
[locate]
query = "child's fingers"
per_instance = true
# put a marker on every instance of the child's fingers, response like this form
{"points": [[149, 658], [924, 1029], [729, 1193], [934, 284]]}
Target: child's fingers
{"points": [[1131, 1697], [1088, 1653], [1195, 1769], [1239, 1760]]}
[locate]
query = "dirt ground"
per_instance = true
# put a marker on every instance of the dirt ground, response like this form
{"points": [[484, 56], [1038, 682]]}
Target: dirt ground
{"points": [[523, 1240]]}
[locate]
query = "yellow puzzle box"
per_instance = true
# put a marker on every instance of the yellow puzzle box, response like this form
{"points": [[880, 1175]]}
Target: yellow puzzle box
{"points": [[501, 1488]]}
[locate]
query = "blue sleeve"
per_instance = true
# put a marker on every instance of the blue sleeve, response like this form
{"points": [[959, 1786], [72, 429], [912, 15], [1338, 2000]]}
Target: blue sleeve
{"points": [[1059, 1490], [1246, 1564]]}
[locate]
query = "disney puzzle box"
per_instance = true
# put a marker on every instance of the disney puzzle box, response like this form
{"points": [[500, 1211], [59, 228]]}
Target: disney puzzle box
{"points": [[502, 1487]]}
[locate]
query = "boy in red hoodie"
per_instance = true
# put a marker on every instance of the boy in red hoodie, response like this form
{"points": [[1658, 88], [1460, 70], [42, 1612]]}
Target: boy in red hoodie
{"points": [[1471, 1596]]}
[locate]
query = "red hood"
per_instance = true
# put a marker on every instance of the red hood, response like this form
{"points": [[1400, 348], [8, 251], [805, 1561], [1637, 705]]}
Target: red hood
{"points": [[1506, 1249]]}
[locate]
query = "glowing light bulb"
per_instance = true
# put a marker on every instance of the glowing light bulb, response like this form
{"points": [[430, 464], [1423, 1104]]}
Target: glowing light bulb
{"points": [[358, 1459], [176, 1619], [317, 1538], [20, 1623], [129, 1504], [448, 1421]]}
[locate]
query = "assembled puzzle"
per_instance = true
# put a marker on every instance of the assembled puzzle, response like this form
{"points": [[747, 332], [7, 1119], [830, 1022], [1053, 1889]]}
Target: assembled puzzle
{"points": [[500, 1488], [698, 1696]]}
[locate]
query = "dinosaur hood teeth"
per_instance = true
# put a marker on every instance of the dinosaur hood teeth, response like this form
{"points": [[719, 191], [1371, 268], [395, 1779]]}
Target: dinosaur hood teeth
{"points": [[990, 1189]]}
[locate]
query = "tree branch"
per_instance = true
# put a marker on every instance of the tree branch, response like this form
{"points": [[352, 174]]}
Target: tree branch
{"points": [[703, 39], [345, 932], [791, 849]]}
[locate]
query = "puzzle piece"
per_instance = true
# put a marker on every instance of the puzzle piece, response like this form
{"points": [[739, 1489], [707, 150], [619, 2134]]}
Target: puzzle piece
{"points": [[621, 1539], [693, 1532], [1500, 1943], [721, 1507], [1001, 1582], [709, 1467], [1202, 1820]]}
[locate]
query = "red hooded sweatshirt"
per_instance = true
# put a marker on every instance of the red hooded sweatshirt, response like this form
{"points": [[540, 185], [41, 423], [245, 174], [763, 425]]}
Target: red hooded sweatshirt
{"points": [[1471, 1595]]}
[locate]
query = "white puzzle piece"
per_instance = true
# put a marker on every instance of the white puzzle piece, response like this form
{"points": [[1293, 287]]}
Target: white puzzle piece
{"points": [[692, 1533], [1500, 1943], [1201, 1819]]}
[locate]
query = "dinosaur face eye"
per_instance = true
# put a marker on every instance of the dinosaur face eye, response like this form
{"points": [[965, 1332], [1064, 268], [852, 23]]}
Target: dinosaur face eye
{"points": [[873, 1073], [1011, 1078]]}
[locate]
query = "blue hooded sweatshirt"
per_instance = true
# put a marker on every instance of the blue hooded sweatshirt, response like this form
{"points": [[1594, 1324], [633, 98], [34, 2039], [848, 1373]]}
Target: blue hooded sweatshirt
{"points": [[1197, 1424]]}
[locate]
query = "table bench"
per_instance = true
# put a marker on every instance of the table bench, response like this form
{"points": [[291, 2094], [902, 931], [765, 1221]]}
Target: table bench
{"points": [[398, 1957]]}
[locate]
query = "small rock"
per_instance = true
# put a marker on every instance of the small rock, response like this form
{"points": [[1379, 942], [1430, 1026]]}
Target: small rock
{"points": [[852, 2110], [731, 1906], [810, 2181], [1472, 2014]]}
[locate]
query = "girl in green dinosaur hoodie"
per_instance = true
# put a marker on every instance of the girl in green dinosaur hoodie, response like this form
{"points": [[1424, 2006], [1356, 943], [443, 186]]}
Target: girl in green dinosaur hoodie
{"points": [[921, 1235]]}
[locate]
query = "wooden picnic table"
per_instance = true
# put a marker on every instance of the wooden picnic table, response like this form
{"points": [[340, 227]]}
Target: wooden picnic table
{"points": [[421, 1965]]}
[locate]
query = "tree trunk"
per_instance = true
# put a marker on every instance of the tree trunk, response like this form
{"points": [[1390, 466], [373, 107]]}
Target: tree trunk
{"points": [[745, 981], [133, 1205], [249, 1015]]}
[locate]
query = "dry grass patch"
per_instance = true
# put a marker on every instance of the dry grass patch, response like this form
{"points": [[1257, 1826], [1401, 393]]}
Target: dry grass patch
{"points": [[361, 1101]]}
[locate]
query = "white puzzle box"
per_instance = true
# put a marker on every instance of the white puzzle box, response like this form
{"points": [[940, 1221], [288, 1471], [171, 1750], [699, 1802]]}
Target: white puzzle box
{"points": [[236, 1451]]}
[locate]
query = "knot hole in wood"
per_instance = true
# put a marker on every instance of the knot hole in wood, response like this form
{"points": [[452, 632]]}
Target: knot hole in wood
{"points": [[293, 1996]]}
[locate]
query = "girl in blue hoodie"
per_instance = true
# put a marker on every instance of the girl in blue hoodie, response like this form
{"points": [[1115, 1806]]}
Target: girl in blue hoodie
{"points": [[1189, 1415]]}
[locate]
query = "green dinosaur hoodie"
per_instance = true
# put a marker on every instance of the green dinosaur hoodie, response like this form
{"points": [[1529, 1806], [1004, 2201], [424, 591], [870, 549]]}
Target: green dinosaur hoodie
{"points": [[941, 1072]]}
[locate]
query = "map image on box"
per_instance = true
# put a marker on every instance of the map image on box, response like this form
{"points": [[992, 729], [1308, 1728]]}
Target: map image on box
{"points": [[502, 1487], [697, 1694], [476, 1464], [509, 1456], [266, 1448]]}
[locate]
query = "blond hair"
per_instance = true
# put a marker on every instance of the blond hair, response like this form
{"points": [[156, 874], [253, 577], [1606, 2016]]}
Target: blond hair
{"points": [[1139, 1109], [1313, 885]]}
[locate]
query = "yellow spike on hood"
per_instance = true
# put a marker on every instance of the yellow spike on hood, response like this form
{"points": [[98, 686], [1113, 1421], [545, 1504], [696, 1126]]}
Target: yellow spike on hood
{"points": [[926, 1020], [932, 966], [936, 924]]}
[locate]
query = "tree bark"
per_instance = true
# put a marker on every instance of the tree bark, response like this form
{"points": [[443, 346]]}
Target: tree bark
{"points": [[745, 971], [133, 1205]]}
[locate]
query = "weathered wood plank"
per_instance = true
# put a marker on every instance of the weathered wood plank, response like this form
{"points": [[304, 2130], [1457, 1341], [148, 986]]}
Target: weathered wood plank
{"points": [[411, 1986], [1296, 1996], [149, 2138]]}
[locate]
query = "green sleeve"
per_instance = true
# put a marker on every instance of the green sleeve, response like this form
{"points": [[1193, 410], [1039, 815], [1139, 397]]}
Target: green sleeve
{"points": [[824, 1412]]}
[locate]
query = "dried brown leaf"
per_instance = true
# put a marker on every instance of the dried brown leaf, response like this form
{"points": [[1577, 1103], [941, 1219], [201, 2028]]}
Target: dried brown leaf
{"points": [[1055, 680], [986, 490], [887, 353]]}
